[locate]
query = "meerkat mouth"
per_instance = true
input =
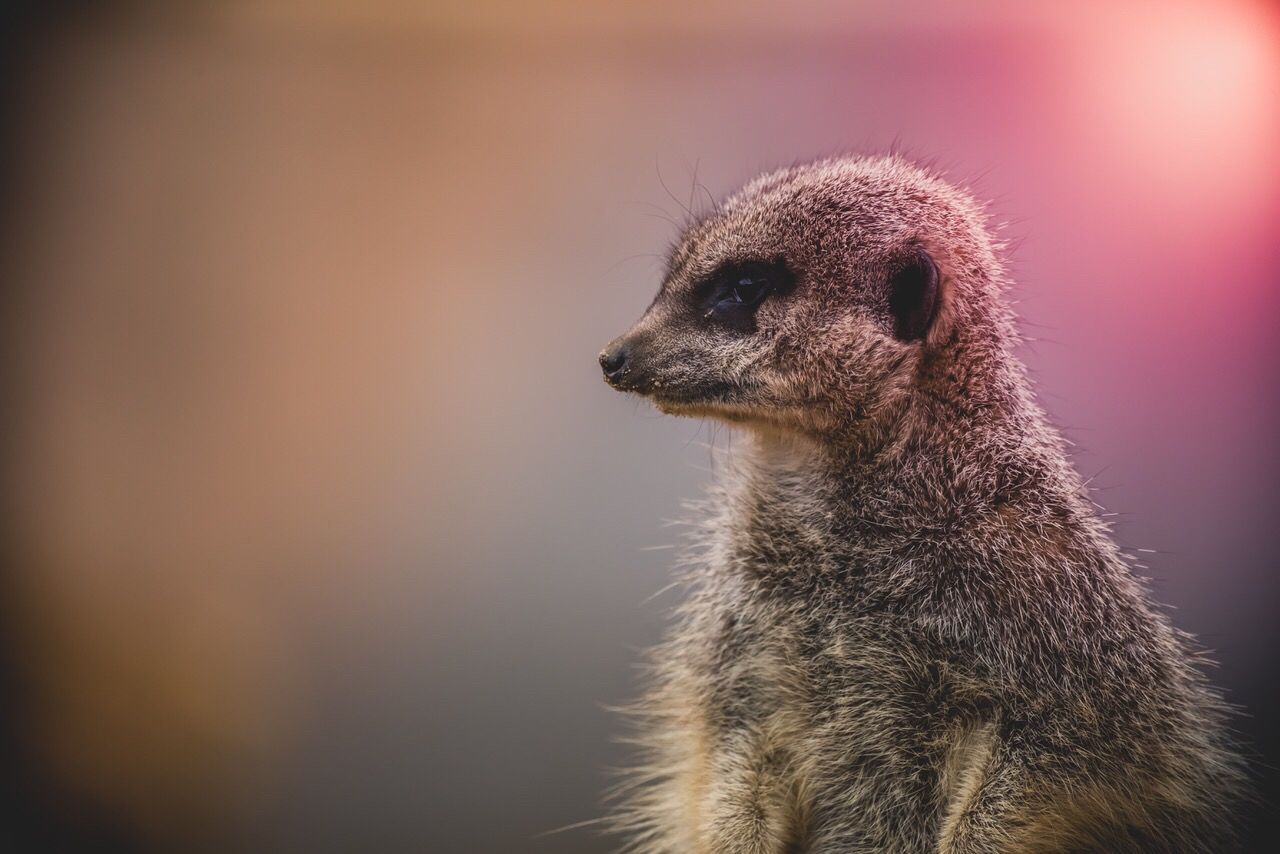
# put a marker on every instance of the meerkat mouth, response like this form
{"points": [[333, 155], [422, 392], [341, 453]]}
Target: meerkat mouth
{"points": [[711, 394], [720, 402]]}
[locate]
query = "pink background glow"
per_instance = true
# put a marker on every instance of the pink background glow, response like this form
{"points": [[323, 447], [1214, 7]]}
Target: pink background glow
{"points": [[326, 535]]}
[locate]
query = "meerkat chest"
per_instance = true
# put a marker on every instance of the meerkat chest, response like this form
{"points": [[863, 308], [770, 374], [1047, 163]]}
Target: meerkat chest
{"points": [[867, 673], [829, 709]]}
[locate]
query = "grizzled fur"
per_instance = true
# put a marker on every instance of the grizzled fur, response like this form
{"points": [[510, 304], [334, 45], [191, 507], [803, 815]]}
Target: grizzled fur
{"points": [[908, 630]]}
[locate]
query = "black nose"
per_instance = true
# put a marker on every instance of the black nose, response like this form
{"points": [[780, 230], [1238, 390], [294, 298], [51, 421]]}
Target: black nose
{"points": [[613, 362]]}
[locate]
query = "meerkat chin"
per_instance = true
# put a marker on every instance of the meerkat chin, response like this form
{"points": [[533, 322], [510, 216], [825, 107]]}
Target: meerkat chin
{"points": [[907, 628]]}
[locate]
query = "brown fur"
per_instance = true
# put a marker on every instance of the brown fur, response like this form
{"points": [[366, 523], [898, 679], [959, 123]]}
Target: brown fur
{"points": [[907, 630]]}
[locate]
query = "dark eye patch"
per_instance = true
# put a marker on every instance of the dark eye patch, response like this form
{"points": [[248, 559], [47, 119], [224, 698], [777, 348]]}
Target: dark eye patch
{"points": [[732, 294]]}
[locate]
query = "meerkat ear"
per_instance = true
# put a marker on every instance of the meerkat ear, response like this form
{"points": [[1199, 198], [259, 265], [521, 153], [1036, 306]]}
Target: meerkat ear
{"points": [[913, 295]]}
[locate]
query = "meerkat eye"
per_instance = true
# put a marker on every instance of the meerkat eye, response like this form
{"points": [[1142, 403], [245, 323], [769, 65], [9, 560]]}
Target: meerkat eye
{"points": [[736, 290], [748, 289]]}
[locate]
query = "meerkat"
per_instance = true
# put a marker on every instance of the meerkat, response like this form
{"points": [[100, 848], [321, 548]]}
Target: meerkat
{"points": [[908, 630]]}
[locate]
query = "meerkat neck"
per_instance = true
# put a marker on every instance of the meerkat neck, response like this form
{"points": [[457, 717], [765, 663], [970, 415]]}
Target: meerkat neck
{"points": [[790, 489]]}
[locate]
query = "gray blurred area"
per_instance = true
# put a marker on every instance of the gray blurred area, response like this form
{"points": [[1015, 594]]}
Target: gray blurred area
{"points": [[322, 533]]}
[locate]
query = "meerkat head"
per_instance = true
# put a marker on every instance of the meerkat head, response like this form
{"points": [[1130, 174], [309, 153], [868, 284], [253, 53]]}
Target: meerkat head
{"points": [[813, 297]]}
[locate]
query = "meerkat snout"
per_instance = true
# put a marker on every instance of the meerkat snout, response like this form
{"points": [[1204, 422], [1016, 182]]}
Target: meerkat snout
{"points": [[613, 360]]}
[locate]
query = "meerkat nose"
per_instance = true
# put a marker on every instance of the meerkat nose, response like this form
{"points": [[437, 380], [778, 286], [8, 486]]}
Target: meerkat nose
{"points": [[613, 362]]}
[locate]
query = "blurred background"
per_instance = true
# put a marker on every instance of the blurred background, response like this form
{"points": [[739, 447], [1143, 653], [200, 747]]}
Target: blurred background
{"points": [[321, 532]]}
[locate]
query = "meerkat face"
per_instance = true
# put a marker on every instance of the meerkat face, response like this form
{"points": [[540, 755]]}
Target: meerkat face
{"points": [[805, 302]]}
